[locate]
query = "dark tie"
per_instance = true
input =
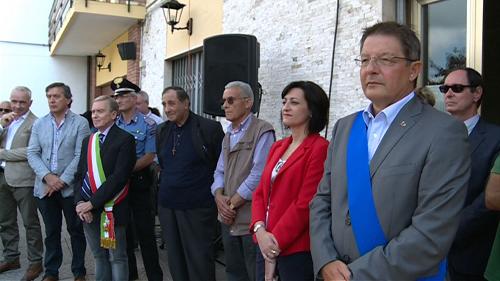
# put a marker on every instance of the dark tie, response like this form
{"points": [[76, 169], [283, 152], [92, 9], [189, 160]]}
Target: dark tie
{"points": [[101, 138]]}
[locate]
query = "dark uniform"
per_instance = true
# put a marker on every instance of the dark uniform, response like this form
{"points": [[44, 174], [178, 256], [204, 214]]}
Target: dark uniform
{"points": [[142, 217]]}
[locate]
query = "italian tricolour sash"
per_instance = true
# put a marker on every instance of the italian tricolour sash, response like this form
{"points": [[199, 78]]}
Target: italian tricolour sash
{"points": [[366, 226], [96, 178]]}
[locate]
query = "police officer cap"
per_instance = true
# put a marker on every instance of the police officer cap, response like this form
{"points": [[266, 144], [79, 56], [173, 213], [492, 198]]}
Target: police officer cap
{"points": [[122, 86]]}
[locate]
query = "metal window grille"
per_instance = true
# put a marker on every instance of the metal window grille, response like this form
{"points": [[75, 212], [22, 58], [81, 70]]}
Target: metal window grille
{"points": [[187, 72]]}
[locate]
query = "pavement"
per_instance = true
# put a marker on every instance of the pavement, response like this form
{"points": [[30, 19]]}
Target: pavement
{"points": [[65, 270]]}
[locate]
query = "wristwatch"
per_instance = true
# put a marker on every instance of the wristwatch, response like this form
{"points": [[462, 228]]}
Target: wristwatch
{"points": [[257, 226]]}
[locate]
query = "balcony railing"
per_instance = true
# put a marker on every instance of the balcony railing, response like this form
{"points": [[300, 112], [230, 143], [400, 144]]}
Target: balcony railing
{"points": [[60, 9]]}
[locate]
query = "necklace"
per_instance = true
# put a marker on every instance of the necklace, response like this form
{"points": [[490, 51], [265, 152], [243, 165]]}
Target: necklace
{"points": [[177, 140]]}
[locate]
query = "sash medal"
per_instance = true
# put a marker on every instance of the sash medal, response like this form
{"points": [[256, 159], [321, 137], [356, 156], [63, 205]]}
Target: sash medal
{"points": [[96, 179]]}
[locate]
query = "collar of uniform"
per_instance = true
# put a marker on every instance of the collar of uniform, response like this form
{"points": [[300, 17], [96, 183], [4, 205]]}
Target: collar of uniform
{"points": [[133, 120], [389, 112], [243, 126]]}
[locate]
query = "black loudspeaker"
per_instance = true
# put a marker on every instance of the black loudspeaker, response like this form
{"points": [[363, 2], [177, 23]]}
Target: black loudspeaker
{"points": [[126, 50], [229, 57]]}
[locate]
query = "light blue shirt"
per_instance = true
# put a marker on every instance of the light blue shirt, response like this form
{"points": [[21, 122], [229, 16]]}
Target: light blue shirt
{"points": [[471, 123], [377, 125], [143, 129], [105, 132], [56, 133], [261, 151]]}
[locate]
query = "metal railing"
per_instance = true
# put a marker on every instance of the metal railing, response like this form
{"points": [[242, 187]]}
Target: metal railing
{"points": [[60, 9]]}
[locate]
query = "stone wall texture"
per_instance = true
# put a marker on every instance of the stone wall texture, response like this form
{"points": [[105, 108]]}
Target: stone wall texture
{"points": [[296, 43], [152, 63]]}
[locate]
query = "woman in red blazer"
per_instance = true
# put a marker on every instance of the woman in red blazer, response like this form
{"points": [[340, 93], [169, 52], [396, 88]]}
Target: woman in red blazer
{"points": [[280, 204]]}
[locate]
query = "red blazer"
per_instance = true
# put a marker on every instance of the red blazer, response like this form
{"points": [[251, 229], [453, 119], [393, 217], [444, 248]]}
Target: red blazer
{"points": [[292, 190]]}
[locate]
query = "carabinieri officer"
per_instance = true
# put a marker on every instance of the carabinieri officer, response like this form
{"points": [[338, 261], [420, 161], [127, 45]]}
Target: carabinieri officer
{"points": [[142, 218]]}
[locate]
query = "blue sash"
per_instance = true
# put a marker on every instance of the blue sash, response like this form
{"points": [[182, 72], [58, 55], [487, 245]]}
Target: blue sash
{"points": [[364, 220]]}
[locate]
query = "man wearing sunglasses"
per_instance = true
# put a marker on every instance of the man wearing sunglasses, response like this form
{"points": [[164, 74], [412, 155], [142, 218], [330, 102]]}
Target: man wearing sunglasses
{"points": [[4, 107], [463, 91], [4, 110], [244, 151]]}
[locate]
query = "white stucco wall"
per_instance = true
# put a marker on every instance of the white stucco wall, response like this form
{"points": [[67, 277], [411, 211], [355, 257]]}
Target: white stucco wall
{"points": [[33, 67], [296, 40], [153, 54], [25, 59]]}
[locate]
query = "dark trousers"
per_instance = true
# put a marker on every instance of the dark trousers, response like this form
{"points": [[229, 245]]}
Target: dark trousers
{"points": [[294, 267], [239, 252], [189, 236], [12, 198], [454, 275], [142, 221], [52, 209]]}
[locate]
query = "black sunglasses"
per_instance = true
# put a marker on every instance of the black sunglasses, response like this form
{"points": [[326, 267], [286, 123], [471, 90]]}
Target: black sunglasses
{"points": [[230, 100], [456, 88], [5, 110]]}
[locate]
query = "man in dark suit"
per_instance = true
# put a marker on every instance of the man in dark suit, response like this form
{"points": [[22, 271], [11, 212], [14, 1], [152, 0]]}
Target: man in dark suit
{"points": [[187, 146], [463, 90], [101, 198]]}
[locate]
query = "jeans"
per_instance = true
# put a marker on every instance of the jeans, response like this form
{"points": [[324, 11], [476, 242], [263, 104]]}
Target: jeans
{"points": [[52, 209], [110, 264]]}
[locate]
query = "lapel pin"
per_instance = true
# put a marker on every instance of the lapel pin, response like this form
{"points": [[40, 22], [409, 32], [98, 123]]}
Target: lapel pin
{"points": [[403, 124]]}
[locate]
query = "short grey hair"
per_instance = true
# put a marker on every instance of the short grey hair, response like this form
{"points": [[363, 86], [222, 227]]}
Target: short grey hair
{"points": [[113, 105], [144, 95], [245, 89], [23, 89]]}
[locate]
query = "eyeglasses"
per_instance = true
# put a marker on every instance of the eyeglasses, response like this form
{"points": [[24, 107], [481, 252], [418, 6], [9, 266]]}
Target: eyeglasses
{"points": [[5, 110], [380, 61], [231, 100], [456, 88]]}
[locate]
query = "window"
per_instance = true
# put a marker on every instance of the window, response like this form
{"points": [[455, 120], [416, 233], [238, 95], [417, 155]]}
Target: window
{"points": [[451, 35], [187, 72]]}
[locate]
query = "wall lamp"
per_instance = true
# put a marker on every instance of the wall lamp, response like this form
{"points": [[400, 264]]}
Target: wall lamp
{"points": [[99, 60], [174, 11]]}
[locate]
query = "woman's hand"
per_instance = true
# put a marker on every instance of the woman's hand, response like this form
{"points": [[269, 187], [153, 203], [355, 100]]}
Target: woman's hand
{"points": [[268, 245]]}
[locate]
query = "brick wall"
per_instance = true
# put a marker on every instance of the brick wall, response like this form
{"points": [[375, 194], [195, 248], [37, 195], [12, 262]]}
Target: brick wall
{"points": [[133, 70], [296, 39]]}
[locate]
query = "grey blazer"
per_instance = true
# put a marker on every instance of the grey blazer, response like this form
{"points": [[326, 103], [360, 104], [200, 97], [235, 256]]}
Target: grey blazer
{"points": [[419, 179], [74, 130], [17, 171]]}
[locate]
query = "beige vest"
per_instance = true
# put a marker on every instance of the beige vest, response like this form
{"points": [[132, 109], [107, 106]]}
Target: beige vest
{"points": [[238, 163]]}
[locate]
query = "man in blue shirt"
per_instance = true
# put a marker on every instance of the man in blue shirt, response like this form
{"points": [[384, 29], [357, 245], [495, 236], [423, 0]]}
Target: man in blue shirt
{"points": [[53, 153], [142, 218]]}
